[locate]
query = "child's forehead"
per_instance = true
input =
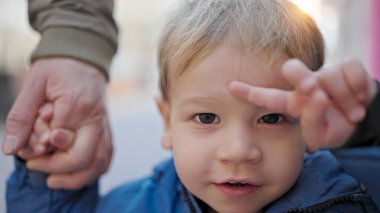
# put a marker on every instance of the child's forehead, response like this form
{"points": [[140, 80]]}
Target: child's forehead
{"points": [[229, 53], [225, 64]]}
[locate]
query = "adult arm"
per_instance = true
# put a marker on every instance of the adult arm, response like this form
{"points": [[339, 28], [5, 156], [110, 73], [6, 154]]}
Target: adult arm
{"points": [[79, 29], [69, 68]]}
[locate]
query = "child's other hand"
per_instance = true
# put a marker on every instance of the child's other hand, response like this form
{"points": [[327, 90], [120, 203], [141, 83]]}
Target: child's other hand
{"points": [[349, 87], [329, 103], [43, 140]]}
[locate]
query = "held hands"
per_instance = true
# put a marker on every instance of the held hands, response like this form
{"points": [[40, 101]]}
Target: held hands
{"points": [[329, 103], [76, 90], [46, 142]]}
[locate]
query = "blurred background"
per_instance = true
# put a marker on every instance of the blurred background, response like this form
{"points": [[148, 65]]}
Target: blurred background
{"points": [[350, 28]]}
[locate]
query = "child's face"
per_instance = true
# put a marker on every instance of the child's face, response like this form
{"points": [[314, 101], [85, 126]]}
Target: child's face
{"points": [[233, 156]]}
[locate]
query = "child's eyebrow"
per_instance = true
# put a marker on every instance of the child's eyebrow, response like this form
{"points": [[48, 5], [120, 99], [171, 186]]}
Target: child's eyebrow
{"points": [[198, 100]]}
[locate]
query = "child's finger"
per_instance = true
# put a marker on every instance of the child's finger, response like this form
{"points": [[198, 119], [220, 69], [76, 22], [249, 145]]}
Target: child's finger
{"points": [[268, 98], [62, 138], [33, 140], [357, 80], [40, 149], [277, 100], [312, 120], [299, 75], [323, 125], [333, 82], [46, 112], [86, 177], [40, 127]]}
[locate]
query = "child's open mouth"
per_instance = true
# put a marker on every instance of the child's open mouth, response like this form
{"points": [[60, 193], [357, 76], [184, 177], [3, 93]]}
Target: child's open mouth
{"points": [[236, 189]]}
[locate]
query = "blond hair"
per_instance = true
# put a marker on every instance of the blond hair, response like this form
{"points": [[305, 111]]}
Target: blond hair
{"points": [[273, 26]]}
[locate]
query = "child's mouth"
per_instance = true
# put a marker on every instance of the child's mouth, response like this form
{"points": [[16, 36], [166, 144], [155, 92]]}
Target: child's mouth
{"points": [[236, 189]]}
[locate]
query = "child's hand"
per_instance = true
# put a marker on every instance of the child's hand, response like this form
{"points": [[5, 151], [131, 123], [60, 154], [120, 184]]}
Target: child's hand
{"points": [[43, 140], [329, 103]]}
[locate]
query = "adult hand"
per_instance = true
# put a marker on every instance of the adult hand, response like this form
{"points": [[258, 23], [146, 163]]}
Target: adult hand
{"points": [[329, 103], [77, 91]]}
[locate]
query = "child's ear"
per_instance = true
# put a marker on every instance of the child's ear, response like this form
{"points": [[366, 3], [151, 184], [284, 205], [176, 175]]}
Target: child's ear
{"points": [[164, 108]]}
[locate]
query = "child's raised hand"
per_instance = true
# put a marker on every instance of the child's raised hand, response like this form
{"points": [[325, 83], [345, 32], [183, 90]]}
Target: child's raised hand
{"points": [[329, 103]]}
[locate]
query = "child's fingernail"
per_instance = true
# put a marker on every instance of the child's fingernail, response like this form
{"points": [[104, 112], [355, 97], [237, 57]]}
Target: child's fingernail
{"points": [[357, 114], [9, 144]]}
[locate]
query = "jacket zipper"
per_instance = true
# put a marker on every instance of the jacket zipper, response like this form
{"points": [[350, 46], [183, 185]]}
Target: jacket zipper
{"points": [[187, 200], [323, 206]]}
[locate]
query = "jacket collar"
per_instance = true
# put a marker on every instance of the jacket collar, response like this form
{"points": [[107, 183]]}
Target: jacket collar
{"points": [[321, 179]]}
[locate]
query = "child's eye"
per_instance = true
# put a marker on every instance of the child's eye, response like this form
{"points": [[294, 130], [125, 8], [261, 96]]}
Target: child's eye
{"points": [[272, 118], [206, 118]]}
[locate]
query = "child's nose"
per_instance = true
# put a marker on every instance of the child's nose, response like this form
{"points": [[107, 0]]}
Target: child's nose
{"points": [[238, 146]]}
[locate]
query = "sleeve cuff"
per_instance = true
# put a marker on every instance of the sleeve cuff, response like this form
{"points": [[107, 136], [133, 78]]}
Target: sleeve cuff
{"points": [[25, 176], [78, 44]]}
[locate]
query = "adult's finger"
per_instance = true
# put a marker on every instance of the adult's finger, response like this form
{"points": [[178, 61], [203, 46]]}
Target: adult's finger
{"points": [[76, 102], [62, 139], [86, 177], [24, 111]]}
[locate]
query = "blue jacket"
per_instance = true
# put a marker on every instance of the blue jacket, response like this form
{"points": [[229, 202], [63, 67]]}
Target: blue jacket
{"points": [[323, 186]]}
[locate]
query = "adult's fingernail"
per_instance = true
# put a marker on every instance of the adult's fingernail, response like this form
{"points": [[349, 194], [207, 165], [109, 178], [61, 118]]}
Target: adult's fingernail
{"points": [[9, 144]]}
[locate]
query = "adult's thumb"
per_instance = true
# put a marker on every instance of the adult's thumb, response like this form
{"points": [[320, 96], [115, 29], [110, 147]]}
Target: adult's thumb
{"points": [[22, 115]]}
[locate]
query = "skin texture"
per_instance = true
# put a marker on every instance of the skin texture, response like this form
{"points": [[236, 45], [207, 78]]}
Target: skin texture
{"points": [[237, 143], [329, 103], [79, 106]]}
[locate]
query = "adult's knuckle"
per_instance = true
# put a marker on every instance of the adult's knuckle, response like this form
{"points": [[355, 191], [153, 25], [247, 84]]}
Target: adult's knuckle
{"points": [[19, 116], [86, 105]]}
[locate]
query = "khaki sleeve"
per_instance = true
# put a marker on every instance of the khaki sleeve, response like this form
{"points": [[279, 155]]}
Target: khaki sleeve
{"points": [[80, 29]]}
